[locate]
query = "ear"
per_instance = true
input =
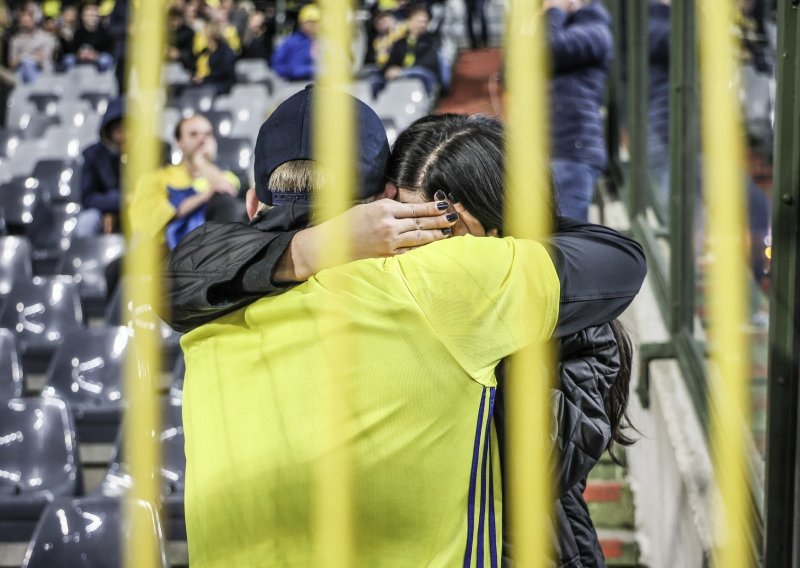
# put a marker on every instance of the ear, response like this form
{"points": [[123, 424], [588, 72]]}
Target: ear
{"points": [[390, 191], [492, 233], [251, 203]]}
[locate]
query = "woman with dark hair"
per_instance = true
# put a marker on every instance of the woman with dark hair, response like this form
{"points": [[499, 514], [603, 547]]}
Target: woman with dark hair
{"points": [[463, 156]]}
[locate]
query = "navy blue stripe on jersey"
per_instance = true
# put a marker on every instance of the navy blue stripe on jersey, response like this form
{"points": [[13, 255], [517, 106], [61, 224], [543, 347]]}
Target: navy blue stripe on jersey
{"points": [[472, 479], [484, 466], [492, 522]]}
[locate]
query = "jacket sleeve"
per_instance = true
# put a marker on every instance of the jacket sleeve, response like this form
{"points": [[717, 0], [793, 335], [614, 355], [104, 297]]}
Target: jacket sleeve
{"points": [[600, 271], [588, 364], [93, 195], [219, 268], [396, 54], [280, 59], [576, 46]]}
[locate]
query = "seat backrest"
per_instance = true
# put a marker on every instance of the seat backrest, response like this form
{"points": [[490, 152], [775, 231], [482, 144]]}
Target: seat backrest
{"points": [[222, 121], [19, 199], [15, 262], [86, 369], [90, 532], [26, 154], [43, 312], [39, 124], [235, 154], [10, 369], [196, 99], [39, 452], [53, 226], [87, 259], [172, 465], [46, 103], [58, 179], [9, 138]]}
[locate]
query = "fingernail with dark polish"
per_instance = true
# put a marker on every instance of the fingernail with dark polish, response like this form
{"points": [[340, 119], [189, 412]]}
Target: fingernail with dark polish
{"points": [[447, 232], [442, 205], [452, 217], [453, 198], [440, 195]]}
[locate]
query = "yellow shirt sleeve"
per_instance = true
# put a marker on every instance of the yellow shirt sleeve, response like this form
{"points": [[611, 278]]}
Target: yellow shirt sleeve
{"points": [[150, 210], [484, 297]]}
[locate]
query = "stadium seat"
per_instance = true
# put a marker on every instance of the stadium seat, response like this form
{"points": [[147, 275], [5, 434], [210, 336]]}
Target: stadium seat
{"points": [[176, 75], [19, 199], [86, 260], [236, 155], [11, 379], [51, 233], [58, 179], [25, 155], [169, 120], [256, 71], [176, 388], [86, 372], [65, 141], [42, 313], [222, 121], [20, 111], [15, 263], [46, 103], [90, 533], [98, 100], [74, 113], [170, 339], [362, 90], [117, 481], [195, 99], [39, 457], [9, 138], [38, 124]]}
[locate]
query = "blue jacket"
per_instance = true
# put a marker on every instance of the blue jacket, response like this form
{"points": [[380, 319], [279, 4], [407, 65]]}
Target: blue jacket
{"points": [[580, 50], [658, 77], [100, 176], [292, 60]]}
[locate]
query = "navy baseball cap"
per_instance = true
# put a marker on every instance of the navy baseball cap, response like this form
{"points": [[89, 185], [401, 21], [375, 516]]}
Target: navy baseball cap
{"points": [[287, 135]]}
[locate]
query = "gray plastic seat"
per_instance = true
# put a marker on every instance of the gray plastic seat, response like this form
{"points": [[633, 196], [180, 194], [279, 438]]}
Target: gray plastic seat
{"points": [[9, 138], [42, 314], [38, 125], [236, 155], [10, 370], [172, 468], [222, 121], [86, 260], [170, 339], [25, 155], [255, 71], [86, 372], [46, 103], [51, 234], [90, 533], [19, 199], [98, 100], [195, 99], [175, 74], [15, 263], [59, 180], [38, 460]]}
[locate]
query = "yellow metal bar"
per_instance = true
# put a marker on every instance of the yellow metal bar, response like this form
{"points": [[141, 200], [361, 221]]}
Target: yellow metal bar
{"points": [[333, 148], [142, 371], [723, 146], [530, 494]]}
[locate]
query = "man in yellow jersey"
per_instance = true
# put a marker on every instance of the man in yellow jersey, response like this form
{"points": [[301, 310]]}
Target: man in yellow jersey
{"points": [[177, 199], [427, 329]]}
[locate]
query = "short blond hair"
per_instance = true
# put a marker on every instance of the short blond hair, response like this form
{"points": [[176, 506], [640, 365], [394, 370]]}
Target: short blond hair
{"points": [[295, 176]]}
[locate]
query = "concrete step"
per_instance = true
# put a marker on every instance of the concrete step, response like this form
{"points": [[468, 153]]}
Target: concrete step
{"points": [[619, 548], [610, 503]]}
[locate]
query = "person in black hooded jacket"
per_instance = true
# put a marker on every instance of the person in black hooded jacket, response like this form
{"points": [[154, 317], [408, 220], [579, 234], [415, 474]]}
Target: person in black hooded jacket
{"points": [[100, 176]]}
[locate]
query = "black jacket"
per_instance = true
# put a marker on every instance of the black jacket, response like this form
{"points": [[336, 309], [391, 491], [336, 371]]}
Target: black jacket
{"points": [[426, 54], [221, 267], [589, 362], [100, 174]]}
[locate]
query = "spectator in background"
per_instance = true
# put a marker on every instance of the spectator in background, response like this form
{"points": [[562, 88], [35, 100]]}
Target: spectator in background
{"points": [[31, 48], [580, 42], [295, 59], [384, 31], [259, 37], [216, 63], [416, 54], [476, 10], [176, 199], [67, 26], [91, 44], [658, 101], [217, 13], [181, 39], [100, 176]]}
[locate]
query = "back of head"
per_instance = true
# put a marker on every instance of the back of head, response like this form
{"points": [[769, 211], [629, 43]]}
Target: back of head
{"points": [[287, 135], [459, 154]]}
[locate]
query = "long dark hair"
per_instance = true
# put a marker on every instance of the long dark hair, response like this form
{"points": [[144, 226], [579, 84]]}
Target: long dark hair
{"points": [[616, 399], [463, 156]]}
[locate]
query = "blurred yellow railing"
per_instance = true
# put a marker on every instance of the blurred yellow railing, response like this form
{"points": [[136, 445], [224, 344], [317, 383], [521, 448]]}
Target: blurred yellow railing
{"points": [[723, 146], [529, 489]]}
